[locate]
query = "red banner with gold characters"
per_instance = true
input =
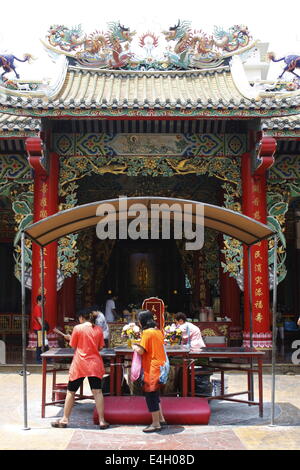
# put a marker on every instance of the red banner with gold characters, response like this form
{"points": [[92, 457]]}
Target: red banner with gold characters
{"points": [[255, 206], [45, 204], [157, 307]]}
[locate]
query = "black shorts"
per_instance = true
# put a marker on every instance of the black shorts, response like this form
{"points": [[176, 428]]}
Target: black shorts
{"points": [[95, 383], [152, 400]]}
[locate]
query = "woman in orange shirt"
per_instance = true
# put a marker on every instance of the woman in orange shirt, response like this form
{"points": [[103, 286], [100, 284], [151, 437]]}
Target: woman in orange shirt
{"points": [[87, 340], [154, 357]]}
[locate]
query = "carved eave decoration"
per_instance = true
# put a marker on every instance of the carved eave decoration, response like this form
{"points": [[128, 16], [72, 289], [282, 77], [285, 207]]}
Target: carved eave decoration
{"points": [[283, 127], [18, 126]]}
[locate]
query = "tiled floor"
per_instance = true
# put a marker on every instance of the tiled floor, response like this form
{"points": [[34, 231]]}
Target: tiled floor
{"points": [[233, 426], [172, 438]]}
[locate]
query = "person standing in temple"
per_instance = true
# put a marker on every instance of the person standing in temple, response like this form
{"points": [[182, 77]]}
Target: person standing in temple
{"points": [[110, 309], [191, 334], [37, 328], [154, 359], [87, 340], [101, 321]]}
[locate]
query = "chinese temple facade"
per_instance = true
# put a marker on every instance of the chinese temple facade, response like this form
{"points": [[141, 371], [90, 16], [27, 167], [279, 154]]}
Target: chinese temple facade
{"points": [[194, 123]]}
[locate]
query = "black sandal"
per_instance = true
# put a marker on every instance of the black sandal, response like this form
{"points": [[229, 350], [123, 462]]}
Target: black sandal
{"points": [[152, 429], [104, 426], [58, 424]]}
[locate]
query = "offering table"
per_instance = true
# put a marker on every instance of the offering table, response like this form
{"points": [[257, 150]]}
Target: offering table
{"points": [[235, 355], [118, 355]]}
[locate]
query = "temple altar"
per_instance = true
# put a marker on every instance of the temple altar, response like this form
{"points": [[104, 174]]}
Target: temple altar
{"points": [[208, 329]]}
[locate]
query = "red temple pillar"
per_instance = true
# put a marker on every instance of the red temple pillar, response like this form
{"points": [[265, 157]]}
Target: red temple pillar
{"points": [[45, 204], [254, 205]]}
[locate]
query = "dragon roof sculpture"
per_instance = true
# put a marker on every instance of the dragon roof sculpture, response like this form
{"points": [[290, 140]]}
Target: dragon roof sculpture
{"points": [[178, 48]]}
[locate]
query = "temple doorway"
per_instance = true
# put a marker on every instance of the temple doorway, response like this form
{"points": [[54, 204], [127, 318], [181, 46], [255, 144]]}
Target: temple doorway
{"points": [[137, 269], [146, 268]]}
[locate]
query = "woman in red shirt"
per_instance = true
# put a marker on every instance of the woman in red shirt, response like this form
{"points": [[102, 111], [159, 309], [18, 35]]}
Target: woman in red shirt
{"points": [[37, 326], [87, 340]]}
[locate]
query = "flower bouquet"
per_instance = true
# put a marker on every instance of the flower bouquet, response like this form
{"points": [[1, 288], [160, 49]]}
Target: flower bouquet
{"points": [[173, 335], [131, 333]]}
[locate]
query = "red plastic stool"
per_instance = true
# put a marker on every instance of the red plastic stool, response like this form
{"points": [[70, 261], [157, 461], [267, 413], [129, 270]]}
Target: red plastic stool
{"points": [[60, 391]]}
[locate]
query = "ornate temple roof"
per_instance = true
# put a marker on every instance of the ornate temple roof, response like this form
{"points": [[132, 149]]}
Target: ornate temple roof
{"points": [[196, 76], [12, 125], [18, 126], [287, 123], [88, 92]]}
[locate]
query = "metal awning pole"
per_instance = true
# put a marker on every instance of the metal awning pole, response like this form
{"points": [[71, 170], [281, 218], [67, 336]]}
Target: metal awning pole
{"points": [[23, 295], [43, 298], [250, 318], [273, 331]]}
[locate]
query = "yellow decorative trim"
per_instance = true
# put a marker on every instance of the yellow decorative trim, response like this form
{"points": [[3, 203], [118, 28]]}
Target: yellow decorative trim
{"points": [[208, 332]]}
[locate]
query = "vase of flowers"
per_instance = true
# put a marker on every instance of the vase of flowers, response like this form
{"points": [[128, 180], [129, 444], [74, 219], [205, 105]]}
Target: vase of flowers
{"points": [[173, 335], [131, 333]]}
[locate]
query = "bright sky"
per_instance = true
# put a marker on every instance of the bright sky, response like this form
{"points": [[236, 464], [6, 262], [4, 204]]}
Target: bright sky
{"points": [[24, 22]]}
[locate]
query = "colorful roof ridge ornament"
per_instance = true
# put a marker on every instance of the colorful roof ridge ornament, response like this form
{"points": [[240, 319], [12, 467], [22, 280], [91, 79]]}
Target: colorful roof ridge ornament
{"points": [[277, 87], [7, 62], [178, 48], [292, 62], [24, 85]]}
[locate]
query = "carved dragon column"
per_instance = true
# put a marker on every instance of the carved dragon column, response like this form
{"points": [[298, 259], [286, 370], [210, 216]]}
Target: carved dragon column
{"points": [[254, 205], [46, 173]]}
